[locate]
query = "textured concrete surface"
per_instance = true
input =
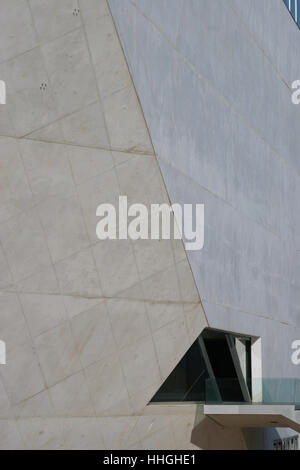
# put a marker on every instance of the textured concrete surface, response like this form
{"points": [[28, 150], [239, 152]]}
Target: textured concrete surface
{"points": [[92, 328], [215, 90]]}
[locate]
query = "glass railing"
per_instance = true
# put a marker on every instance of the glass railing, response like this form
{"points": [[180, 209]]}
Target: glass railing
{"points": [[264, 391]]}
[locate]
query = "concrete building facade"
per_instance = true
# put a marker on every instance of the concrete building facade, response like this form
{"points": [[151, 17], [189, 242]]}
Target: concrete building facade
{"points": [[164, 101]]}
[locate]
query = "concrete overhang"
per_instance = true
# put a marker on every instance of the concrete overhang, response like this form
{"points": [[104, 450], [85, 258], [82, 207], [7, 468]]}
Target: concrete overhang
{"points": [[248, 416]]}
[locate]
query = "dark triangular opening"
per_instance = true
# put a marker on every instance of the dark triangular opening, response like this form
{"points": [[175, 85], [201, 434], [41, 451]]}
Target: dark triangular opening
{"points": [[208, 372], [187, 381]]}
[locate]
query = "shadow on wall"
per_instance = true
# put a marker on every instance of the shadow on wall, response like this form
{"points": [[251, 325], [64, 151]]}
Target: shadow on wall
{"points": [[260, 438], [209, 435]]}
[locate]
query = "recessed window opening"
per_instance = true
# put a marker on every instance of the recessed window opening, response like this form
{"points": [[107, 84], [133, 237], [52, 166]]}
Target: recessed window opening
{"points": [[216, 369]]}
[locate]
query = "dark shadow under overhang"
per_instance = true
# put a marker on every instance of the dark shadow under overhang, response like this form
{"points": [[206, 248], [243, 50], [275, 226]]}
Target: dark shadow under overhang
{"points": [[247, 416]]}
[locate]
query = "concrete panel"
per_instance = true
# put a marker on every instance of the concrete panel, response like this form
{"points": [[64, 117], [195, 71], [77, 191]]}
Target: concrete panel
{"points": [[218, 106], [91, 327]]}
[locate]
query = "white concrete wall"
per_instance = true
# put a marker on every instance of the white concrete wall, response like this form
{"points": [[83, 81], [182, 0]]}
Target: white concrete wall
{"points": [[214, 82], [92, 328]]}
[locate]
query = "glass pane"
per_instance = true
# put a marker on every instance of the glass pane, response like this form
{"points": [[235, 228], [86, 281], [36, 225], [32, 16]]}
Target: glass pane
{"points": [[223, 366], [187, 380]]}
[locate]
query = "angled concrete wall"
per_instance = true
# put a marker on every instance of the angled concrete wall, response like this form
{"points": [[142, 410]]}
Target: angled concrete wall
{"points": [[92, 328], [214, 82]]}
